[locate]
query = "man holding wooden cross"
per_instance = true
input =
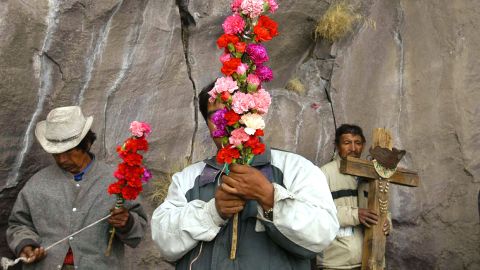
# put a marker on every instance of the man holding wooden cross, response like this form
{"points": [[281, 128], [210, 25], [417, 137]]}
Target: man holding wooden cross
{"points": [[350, 194]]}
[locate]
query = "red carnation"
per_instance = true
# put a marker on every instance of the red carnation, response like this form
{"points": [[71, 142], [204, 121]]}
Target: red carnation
{"points": [[254, 143], [259, 149], [119, 175], [133, 159], [240, 47], [133, 145], [227, 154], [142, 144], [225, 39], [225, 95], [230, 66], [231, 117], [265, 29], [135, 183], [133, 173], [130, 193], [259, 133], [115, 188], [130, 145]]}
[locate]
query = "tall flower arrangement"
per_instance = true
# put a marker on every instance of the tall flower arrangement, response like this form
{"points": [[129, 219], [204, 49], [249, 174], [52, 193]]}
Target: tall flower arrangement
{"points": [[240, 123], [131, 174]]}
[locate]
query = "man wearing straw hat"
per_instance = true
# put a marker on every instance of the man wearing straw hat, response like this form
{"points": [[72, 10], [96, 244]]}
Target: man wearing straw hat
{"points": [[64, 198]]}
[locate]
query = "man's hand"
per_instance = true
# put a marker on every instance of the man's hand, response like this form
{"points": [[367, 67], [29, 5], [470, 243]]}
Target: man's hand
{"points": [[119, 217], [33, 254], [227, 204], [250, 184], [367, 217], [386, 227]]}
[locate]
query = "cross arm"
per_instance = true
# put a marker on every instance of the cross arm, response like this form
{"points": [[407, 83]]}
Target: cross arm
{"points": [[364, 168]]}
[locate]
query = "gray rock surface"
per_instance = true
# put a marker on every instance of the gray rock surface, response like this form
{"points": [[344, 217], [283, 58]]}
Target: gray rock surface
{"points": [[416, 73]]}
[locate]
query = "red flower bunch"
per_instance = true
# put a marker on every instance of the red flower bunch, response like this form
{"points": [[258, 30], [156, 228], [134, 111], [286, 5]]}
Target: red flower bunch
{"points": [[131, 174]]}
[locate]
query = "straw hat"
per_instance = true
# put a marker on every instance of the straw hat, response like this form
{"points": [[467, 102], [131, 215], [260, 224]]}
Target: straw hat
{"points": [[64, 128]]}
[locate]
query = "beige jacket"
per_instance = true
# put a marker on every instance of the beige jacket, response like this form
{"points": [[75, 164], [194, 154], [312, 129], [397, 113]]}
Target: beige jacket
{"points": [[345, 252]]}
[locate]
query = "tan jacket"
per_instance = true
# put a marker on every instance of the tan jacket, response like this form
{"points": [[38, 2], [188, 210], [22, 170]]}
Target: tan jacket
{"points": [[345, 252]]}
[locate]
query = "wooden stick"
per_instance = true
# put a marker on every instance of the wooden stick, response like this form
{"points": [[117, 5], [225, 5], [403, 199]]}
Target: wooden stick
{"points": [[118, 204], [233, 249]]}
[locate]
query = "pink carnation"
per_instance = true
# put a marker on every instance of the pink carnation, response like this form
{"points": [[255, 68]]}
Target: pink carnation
{"points": [[273, 6], [138, 129], [242, 68], [262, 101], [253, 79], [238, 136], [242, 102], [221, 85], [233, 24], [225, 57], [235, 6], [252, 8]]}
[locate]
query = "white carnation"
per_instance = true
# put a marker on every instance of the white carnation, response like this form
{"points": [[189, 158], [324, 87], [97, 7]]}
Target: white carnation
{"points": [[252, 121]]}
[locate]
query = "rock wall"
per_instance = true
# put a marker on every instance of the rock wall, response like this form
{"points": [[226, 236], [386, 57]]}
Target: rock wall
{"points": [[121, 60]]}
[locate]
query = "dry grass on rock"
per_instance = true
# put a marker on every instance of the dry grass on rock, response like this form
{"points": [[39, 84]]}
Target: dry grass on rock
{"points": [[338, 21], [161, 183], [295, 85]]}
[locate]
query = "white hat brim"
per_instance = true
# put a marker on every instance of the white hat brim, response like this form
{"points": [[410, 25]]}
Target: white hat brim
{"points": [[60, 147]]}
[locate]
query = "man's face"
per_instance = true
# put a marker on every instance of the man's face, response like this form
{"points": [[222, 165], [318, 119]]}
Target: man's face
{"points": [[350, 145], [71, 161], [211, 109]]}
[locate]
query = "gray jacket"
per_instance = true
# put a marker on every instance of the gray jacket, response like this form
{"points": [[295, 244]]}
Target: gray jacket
{"points": [[52, 205]]}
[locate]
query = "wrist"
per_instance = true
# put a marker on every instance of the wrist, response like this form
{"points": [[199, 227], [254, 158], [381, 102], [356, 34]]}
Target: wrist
{"points": [[211, 208], [267, 197]]}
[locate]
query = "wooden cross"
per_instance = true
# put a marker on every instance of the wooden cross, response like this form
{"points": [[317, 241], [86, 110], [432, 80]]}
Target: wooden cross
{"points": [[378, 198]]}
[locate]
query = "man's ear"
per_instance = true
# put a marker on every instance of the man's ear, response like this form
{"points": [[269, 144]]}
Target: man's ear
{"points": [[89, 145]]}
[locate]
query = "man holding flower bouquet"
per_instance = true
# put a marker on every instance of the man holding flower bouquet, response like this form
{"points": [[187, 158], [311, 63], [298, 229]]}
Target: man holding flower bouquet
{"points": [[285, 210], [64, 198]]}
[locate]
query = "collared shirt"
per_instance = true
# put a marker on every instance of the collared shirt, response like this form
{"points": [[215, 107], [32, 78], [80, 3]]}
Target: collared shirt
{"points": [[79, 176]]}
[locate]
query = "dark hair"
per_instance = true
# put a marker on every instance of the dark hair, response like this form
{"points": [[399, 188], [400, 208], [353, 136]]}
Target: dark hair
{"points": [[203, 97], [87, 142], [348, 129]]}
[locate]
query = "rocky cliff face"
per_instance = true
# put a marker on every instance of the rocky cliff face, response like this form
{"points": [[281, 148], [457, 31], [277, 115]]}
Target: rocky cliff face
{"points": [[416, 73]]}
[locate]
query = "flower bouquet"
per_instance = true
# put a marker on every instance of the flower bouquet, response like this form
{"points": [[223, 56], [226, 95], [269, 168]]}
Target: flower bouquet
{"points": [[130, 174], [240, 123]]}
